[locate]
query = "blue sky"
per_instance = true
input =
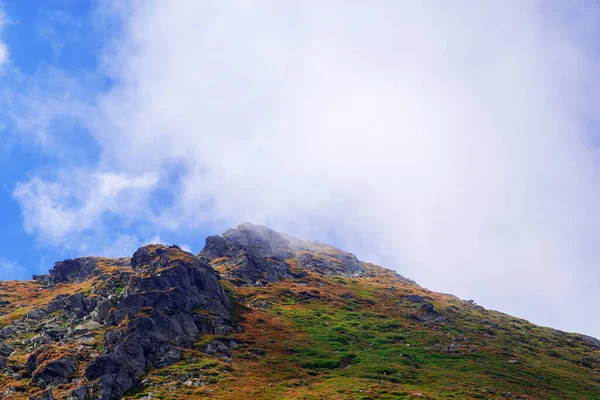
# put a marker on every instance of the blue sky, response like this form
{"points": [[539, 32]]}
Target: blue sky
{"points": [[454, 143], [26, 33], [50, 42]]}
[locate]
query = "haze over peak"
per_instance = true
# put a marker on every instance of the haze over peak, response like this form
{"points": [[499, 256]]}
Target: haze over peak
{"points": [[454, 142], [259, 314]]}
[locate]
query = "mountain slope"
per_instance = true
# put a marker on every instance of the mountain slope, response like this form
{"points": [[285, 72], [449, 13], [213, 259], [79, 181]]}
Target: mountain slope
{"points": [[258, 314]]}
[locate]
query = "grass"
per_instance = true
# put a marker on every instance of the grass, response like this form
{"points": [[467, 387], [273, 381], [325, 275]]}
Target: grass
{"points": [[342, 338], [392, 355]]}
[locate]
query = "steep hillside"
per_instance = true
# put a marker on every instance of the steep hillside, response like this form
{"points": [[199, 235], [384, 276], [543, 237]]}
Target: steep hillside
{"points": [[261, 315]]}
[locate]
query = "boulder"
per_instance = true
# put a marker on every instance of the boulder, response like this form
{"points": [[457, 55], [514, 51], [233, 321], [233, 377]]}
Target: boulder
{"points": [[35, 315], [45, 395], [80, 393], [141, 257], [222, 347], [5, 349], [86, 327], [55, 372], [40, 339], [415, 298], [77, 270]]}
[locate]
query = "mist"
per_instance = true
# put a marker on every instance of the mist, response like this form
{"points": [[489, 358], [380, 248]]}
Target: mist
{"points": [[452, 142]]}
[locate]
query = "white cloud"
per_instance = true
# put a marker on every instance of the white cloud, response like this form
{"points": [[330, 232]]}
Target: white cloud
{"points": [[156, 239], [43, 108], [77, 202], [449, 141], [186, 247], [10, 270], [153, 240], [122, 246], [4, 55]]}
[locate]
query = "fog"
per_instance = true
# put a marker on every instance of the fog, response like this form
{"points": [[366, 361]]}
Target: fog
{"points": [[451, 141]]}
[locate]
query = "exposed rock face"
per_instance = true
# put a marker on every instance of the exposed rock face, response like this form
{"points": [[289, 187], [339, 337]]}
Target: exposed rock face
{"points": [[46, 395], [590, 340], [257, 254], [155, 318], [94, 327], [414, 298], [70, 270], [55, 372], [147, 309]]}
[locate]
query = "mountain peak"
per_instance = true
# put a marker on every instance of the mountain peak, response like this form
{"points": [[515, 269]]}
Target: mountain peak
{"points": [[167, 324], [255, 255], [78, 270]]}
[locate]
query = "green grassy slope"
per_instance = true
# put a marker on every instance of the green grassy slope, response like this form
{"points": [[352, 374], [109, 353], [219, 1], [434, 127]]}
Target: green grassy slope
{"points": [[341, 338]]}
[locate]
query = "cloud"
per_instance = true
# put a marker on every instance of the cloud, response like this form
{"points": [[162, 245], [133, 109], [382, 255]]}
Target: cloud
{"points": [[451, 142], [76, 203], [42, 110], [52, 29], [122, 246], [186, 247], [4, 55], [153, 240], [156, 239], [10, 270]]}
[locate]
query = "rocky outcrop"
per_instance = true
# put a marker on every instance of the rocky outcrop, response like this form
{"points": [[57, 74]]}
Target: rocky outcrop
{"points": [[45, 395], [76, 270], [80, 393], [256, 255], [94, 328], [112, 320], [55, 372], [47, 368], [156, 318], [592, 341], [147, 310]]}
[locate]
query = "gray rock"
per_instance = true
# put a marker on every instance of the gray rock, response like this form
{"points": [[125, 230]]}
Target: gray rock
{"points": [[415, 298], [8, 332], [102, 310], [40, 339], [88, 340], [590, 340], [34, 360], [159, 304], [55, 372], [80, 393], [54, 331], [77, 270], [46, 395], [5, 349], [35, 315], [222, 347], [86, 327], [427, 307], [260, 255], [141, 257]]}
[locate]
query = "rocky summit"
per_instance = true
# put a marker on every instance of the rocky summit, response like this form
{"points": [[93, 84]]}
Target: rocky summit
{"points": [[258, 314]]}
